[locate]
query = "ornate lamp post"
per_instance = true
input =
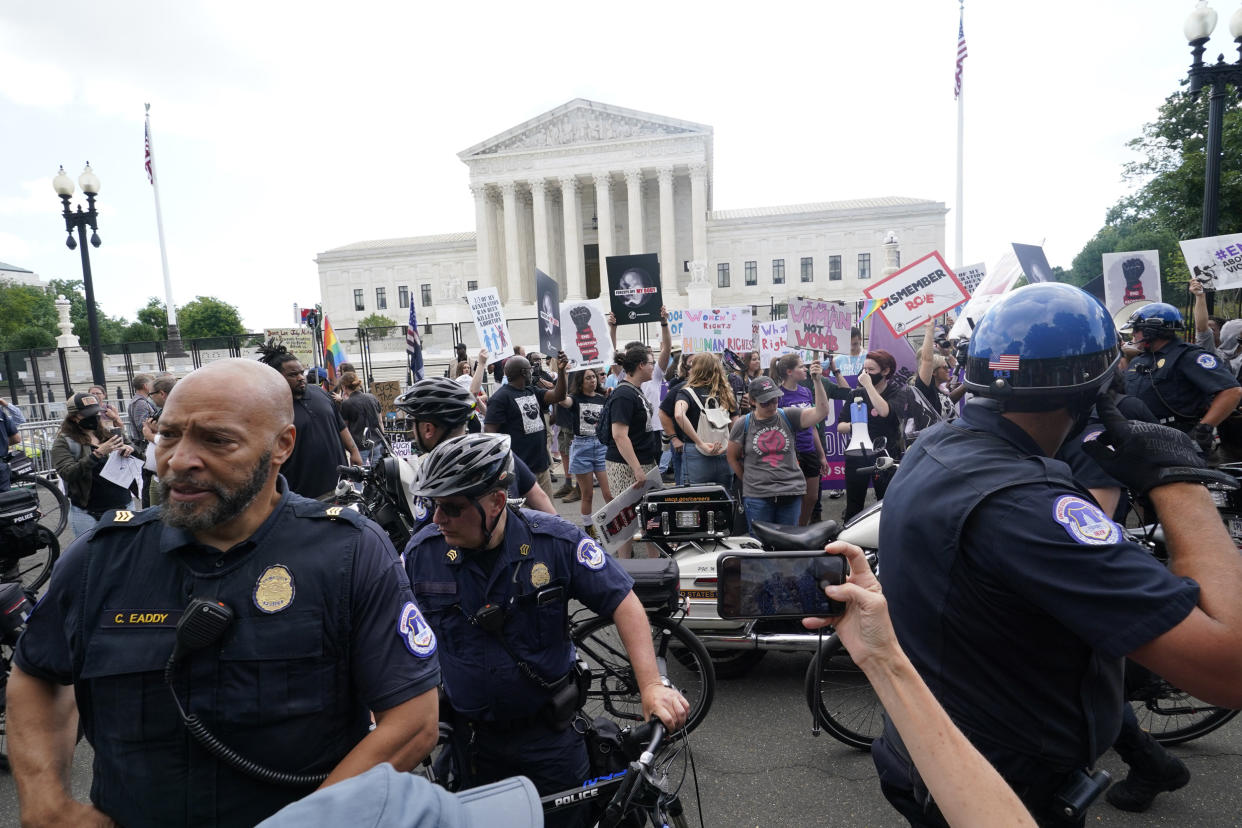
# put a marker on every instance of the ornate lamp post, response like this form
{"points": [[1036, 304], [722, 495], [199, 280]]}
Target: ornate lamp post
{"points": [[80, 220], [1198, 29]]}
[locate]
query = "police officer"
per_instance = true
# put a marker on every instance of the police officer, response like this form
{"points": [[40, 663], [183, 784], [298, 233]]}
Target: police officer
{"points": [[1015, 596], [441, 409], [1185, 386], [495, 583], [324, 632]]}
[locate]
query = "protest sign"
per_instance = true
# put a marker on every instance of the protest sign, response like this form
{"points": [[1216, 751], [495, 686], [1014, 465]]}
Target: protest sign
{"points": [[634, 288], [818, 325], [1131, 277], [971, 275], [297, 341], [770, 339], [490, 324], [617, 522], [919, 291], [548, 303], [589, 346], [676, 321], [386, 391], [1034, 262], [1216, 261], [717, 329], [995, 284]]}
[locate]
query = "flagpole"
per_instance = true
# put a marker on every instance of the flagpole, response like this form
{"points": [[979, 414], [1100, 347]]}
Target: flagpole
{"points": [[957, 230], [175, 348]]}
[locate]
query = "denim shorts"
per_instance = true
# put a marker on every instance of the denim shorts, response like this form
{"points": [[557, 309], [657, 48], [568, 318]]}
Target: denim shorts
{"points": [[586, 455]]}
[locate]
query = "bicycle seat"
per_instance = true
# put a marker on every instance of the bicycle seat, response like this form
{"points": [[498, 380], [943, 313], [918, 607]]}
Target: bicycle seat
{"points": [[777, 537]]}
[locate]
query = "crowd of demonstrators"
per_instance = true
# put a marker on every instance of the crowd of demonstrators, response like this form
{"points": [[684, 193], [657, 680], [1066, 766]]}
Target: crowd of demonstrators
{"points": [[587, 455], [441, 409], [322, 441], [886, 403], [361, 412], [789, 372], [763, 450], [327, 666], [471, 377], [517, 408], [512, 686], [79, 453], [705, 395]]}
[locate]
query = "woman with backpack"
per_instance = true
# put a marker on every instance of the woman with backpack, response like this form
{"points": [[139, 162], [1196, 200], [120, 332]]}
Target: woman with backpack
{"points": [[762, 450], [704, 411], [586, 453]]}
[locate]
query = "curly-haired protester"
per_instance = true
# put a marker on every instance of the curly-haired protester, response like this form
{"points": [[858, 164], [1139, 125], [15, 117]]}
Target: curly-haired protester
{"points": [[707, 388], [323, 440]]}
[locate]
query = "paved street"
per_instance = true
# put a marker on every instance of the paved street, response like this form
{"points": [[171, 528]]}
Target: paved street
{"points": [[759, 765]]}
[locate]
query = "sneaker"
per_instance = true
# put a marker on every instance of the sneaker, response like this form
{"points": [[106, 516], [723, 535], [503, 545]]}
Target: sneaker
{"points": [[1137, 791], [566, 489], [572, 497], [836, 494]]}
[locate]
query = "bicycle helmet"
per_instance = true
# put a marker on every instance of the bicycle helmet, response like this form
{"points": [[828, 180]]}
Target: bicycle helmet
{"points": [[1159, 320], [470, 465], [1041, 347], [437, 400]]}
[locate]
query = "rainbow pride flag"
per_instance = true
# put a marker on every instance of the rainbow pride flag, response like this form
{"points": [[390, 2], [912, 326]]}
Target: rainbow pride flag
{"points": [[869, 307], [333, 351]]}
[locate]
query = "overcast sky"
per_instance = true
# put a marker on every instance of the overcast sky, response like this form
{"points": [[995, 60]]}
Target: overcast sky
{"points": [[283, 130]]}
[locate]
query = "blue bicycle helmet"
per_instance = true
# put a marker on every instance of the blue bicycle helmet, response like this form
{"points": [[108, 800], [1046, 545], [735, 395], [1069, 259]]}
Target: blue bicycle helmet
{"points": [[1159, 320], [1044, 345]]}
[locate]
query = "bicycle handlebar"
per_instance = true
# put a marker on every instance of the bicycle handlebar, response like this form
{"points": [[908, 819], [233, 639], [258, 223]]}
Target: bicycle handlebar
{"points": [[355, 473], [639, 769]]}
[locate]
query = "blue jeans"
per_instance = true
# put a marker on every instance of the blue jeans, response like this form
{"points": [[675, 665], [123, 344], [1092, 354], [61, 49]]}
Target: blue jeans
{"points": [[679, 467], [767, 510], [80, 520], [699, 468]]}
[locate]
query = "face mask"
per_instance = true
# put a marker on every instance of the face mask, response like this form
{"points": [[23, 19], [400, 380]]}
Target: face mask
{"points": [[89, 423]]}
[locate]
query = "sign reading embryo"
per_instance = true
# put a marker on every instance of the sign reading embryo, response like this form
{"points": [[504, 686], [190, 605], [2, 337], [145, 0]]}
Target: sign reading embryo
{"points": [[816, 325], [923, 289]]}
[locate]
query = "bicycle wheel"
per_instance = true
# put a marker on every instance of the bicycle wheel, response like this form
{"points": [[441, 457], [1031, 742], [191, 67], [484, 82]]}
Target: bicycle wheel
{"points": [[840, 695], [1173, 716], [614, 691], [32, 571], [53, 505]]}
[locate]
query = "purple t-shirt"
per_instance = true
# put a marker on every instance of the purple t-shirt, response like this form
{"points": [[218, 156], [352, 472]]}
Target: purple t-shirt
{"points": [[800, 397]]}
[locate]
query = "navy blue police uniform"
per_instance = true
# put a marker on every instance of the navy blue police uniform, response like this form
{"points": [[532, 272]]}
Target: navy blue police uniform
{"points": [[1178, 382], [325, 630], [543, 563], [1016, 599]]}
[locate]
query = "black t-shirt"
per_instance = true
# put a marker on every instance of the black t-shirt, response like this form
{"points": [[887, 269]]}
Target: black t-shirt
{"points": [[888, 427], [361, 411], [584, 414], [105, 494], [692, 409], [630, 406], [519, 413], [311, 469], [669, 404], [938, 400]]}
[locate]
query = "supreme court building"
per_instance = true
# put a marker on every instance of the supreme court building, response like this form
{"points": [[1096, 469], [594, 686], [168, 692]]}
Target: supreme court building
{"points": [[565, 190]]}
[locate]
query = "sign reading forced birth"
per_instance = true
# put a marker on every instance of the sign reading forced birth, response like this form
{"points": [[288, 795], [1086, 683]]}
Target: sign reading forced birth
{"points": [[916, 293], [490, 324]]}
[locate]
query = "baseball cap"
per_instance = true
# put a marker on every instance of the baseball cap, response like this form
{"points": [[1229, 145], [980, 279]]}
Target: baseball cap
{"points": [[84, 405], [763, 389], [384, 798]]}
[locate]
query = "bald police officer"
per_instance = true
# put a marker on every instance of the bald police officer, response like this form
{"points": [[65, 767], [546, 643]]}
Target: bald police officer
{"points": [[324, 632]]}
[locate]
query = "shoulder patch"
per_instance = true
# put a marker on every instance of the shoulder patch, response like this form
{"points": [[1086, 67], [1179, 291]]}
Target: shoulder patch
{"points": [[327, 511], [124, 518], [1084, 522], [1207, 361], [415, 631], [590, 555]]}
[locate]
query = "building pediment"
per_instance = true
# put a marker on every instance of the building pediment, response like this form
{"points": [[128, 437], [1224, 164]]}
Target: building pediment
{"points": [[582, 122]]}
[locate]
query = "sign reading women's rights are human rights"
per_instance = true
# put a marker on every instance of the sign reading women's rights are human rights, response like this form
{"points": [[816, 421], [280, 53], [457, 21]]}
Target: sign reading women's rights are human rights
{"points": [[712, 331], [918, 292]]}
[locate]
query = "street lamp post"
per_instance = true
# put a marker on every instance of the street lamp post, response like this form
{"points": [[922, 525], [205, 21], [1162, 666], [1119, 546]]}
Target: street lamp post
{"points": [[80, 220], [1198, 29]]}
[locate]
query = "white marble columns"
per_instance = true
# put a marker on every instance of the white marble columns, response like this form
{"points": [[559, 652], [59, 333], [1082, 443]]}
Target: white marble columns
{"points": [[483, 235], [603, 206], [513, 257], [634, 197], [539, 196], [575, 276], [668, 228], [698, 211]]}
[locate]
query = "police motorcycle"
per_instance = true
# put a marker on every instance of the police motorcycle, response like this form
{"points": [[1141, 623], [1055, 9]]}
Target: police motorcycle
{"points": [[380, 492], [694, 526]]}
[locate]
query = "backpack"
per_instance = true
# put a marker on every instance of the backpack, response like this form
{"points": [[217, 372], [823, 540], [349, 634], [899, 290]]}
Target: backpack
{"points": [[603, 428], [713, 424]]}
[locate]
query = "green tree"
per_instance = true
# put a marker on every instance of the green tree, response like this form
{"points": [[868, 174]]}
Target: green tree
{"points": [[155, 316], [206, 317], [111, 328], [377, 324], [26, 310], [141, 332]]}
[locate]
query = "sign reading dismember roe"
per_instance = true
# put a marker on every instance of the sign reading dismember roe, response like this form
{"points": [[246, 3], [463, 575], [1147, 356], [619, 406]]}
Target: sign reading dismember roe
{"points": [[914, 294]]}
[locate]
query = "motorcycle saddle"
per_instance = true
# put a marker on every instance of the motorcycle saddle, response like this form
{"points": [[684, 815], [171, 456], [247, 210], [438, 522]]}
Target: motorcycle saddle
{"points": [[778, 538]]}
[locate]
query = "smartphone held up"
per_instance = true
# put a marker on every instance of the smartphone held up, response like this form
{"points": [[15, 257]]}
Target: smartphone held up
{"points": [[778, 584]]}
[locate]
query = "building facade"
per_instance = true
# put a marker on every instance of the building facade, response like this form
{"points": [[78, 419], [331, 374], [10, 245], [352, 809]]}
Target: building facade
{"points": [[585, 181]]}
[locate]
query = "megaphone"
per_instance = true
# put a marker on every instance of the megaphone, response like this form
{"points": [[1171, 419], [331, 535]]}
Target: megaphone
{"points": [[860, 439], [1123, 314]]}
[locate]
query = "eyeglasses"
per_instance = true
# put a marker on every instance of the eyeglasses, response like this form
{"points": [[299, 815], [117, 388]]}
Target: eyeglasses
{"points": [[452, 510]]}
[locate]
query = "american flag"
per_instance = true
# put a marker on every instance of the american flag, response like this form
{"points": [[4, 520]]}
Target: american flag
{"points": [[961, 57], [414, 344], [1004, 362], [150, 169]]}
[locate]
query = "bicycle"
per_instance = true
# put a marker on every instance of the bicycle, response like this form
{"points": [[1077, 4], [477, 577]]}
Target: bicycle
{"points": [[31, 497]]}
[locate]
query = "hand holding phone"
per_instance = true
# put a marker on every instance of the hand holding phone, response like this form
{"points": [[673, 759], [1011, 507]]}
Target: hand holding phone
{"points": [[864, 624], [777, 584]]}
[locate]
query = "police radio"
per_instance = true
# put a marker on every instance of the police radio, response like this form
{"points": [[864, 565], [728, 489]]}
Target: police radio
{"points": [[203, 623]]}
